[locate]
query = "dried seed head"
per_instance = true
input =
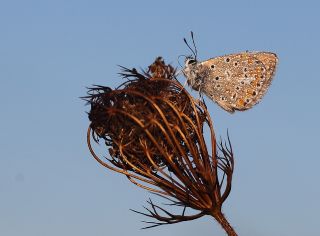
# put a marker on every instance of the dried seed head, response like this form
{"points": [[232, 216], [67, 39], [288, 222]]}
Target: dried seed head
{"points": [[154, 131], [134, 119]]}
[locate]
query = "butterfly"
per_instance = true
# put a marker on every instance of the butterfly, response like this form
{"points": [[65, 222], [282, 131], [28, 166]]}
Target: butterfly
{"points": [[235, 81]]}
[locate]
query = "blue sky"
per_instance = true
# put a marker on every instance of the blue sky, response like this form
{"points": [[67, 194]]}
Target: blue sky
{"points": [[51, 50]]}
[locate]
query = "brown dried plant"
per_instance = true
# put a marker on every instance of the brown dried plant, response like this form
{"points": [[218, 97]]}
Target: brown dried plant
{"points": [[155, 133]]}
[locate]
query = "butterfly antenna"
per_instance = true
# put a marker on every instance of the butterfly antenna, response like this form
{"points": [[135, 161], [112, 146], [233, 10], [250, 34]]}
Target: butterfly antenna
{"points": [[194, 45], [193, 52]]}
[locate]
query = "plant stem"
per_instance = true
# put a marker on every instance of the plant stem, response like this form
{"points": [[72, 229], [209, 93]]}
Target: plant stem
{"points": [[218, 215]]}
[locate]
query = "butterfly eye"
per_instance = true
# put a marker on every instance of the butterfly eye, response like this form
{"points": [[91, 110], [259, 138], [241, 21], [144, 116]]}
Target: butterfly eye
{"points": [[191, 61]]}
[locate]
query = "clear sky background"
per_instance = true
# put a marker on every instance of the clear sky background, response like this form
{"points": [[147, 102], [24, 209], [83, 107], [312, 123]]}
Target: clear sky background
{"points": [[51, 50]]}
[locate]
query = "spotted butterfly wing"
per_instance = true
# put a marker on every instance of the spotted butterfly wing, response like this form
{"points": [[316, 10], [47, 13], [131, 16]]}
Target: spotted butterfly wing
{"points": [[235, 81]]}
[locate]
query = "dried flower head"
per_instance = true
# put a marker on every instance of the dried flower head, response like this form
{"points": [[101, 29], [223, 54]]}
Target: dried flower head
{"points": [[155, 133]]}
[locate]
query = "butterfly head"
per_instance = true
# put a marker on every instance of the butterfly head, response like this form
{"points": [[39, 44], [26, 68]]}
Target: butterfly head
{"points": [[189, 61], [190, 71], [191, 65]]}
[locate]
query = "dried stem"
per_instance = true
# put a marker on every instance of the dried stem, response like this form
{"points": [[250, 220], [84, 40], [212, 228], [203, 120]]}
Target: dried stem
{"points": [[220, 218]]}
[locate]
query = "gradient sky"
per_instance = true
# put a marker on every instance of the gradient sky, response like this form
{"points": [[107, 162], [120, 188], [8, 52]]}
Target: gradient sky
{"points": [[51, 50]]}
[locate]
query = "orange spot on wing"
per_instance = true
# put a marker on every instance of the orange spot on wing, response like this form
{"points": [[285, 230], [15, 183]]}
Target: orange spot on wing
{"points": [[249, 92], [240, 102]]}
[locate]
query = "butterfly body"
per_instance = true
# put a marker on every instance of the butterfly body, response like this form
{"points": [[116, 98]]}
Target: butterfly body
{"points": [[234, 81]]}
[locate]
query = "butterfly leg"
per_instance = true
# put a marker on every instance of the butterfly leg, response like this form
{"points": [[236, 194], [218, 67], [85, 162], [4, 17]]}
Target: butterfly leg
{"points": [[186, 80]]}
